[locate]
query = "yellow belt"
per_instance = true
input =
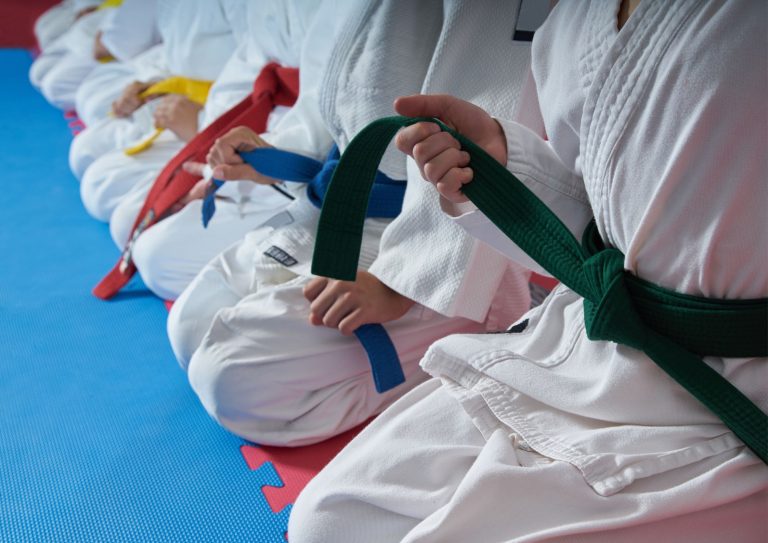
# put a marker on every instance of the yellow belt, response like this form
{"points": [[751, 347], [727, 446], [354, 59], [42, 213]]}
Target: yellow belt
{"points": [[195, 90], [110, 4], [106, 5]]}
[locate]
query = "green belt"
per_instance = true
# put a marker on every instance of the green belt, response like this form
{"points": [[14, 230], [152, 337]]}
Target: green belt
{"points": [[673, 329]]}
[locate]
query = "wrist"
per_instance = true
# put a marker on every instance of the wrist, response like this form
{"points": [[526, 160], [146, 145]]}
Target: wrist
{"points": [[501, 141]]}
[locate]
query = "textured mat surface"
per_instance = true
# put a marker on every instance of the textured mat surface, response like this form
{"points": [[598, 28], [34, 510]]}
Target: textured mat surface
{"points": [[101, 438]]}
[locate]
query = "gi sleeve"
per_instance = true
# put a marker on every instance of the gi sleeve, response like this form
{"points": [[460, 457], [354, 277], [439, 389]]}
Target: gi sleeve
{"points": [[533, 161], [131, 29]]}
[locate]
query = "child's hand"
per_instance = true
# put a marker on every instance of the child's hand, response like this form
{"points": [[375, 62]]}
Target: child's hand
{"points": [[178, 114], [226, 162], [129, 101], [438, 154], [347, 305], [198, 190], [100, 50]]}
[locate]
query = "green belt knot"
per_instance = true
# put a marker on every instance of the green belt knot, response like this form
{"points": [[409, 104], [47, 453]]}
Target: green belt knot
{"points": [[609, 313], [673, 329]]}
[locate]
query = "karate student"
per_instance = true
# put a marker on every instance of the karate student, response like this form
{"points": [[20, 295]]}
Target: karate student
{"points": [[56, 20], [133, 39], [65, 62], [543, 434], [248, 328], [277, 32], [198, 38]]}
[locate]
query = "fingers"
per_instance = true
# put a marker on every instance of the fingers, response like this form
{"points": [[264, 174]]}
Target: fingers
{"points": [[354, 320], [195, 168], [451, 183], [331, 301], [410, 136], [450, 159], [199, 191], [426, 105], [129, 101], [341, 307], [315, 287], [224, 149], [241, 172], [322, 303], [222, 152], [439, 158]]}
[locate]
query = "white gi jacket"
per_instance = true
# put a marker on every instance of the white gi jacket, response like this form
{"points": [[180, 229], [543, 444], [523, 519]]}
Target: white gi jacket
{"points": [[659, 131], [290, 34], [364, 75], [472, 280], [132, 29]]}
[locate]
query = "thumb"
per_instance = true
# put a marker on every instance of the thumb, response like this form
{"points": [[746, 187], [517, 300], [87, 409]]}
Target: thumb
{"points": [[426, 105]]}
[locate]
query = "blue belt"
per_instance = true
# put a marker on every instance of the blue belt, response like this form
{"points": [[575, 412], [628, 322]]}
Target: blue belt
{"points": [[386, 202]]}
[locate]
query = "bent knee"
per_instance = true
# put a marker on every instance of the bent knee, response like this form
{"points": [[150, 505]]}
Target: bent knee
{"points": [[306, 523], [93, 195], [121, 223], [58, 91], [220, 385], [158, 265], [81, 154], [241, 396]]}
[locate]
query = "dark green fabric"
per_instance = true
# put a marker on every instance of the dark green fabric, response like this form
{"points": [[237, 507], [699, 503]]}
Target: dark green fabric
{"points": [[667, 326]]}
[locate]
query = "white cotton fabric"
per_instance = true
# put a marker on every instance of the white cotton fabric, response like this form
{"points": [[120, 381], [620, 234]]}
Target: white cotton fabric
{"points": [[291, 34], [97, 152], [132, 29], [656, 141], [68, 59], [446, 481], [114, 176], [241, 327], [198, 37], [105, 84], [473, 281], [133, 38], [56, 20]]}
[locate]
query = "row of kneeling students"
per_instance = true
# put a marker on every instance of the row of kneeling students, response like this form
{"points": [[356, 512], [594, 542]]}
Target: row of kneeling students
{"points": [[509, 417]]}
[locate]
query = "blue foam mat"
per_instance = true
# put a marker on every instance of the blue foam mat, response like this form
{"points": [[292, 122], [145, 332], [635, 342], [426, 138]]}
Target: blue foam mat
{"points": [[101, 438]]}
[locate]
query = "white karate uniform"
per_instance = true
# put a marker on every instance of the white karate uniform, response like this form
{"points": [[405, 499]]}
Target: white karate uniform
{"points": [[543, 434], [163, 255], [66, 61], [133, 38], [56, 20], [241, 330], [198, 38]]}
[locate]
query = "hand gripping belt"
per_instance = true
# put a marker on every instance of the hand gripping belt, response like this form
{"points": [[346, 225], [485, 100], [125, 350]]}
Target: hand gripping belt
{"points": [[386, 201], [275, 86], [674, 330]]}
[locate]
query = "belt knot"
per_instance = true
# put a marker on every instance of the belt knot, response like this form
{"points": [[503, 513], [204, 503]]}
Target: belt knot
{"points": [[609, 313]]}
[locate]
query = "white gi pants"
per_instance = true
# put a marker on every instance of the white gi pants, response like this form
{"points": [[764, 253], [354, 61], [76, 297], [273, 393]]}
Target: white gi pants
{"points": [[104, 85], [423, 472], [172, 252], [114, 135], [112, 176], [260, 369]]}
